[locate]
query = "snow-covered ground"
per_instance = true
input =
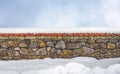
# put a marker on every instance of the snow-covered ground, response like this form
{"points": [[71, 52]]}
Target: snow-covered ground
{"points": [[79, 65]]}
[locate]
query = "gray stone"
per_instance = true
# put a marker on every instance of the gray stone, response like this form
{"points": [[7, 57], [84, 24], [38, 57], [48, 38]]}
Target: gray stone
{"points": [[59, 51], [73, 45], [60, 44], [16, 54], [88, 50], [41, 51], [33, 44], [53, 50], [27, 41], [77, 52], [83, 43], [10, 51], [50, 44], [103, 51], [3, 53], [102, 40], [118, 44], [103, 45], [24, 51]]}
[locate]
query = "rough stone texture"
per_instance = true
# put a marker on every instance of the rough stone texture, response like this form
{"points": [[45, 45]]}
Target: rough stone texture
{"points": [[34, 44], [61, 44], [50, 44], [73, 45], [111, 45], [23, 51], [16, 54], [3, 53], [77, 52], [59, 47], [42, 44], [88, 50], [91, 40], [102, 45], [23, 44], [118, 44], [42, 51], [67, 53]]}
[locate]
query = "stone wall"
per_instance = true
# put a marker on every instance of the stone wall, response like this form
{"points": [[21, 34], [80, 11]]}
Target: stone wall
{"points": [[39, 47]]}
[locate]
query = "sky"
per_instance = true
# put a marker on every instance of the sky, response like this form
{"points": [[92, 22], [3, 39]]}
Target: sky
{"points": [[59, 13]]}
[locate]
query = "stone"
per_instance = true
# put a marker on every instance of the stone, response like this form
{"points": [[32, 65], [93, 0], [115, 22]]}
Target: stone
{"points": [[59, 51], [88, 50], [118, 44], [32, 49], [16, 54], [32, 57], [24, 51], [32, 54], [102, 45], [23, 44], [38, 52], [113, 40], [24, 56], [17, 48], [102, 40], [42, 44], [95, 46], [33, 44], [60, 44], [53, 50], [53, 53], [41, 51], [49, 51], [73, 45], [10, 52], [6, 58], [111, 45], [91, 40], [103, 51], [50, 44], [27, 41], [3, 53], [83, 43], [67, 53], [4, 45], [49, 48], [13, 43], [77, 52]]}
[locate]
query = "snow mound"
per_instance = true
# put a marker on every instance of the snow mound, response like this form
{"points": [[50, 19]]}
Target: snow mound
{"points": [[79, 65], [76, 68]]}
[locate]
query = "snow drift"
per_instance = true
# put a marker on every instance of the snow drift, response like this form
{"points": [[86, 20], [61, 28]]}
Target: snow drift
{"points": [[80, 65]]}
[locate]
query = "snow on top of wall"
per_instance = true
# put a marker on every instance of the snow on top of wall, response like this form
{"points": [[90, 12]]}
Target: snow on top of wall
{"points": [[60, 30]]}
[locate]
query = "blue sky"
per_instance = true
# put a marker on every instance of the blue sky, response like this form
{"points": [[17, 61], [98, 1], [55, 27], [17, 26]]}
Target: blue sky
{"points": [[59, 13]]}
